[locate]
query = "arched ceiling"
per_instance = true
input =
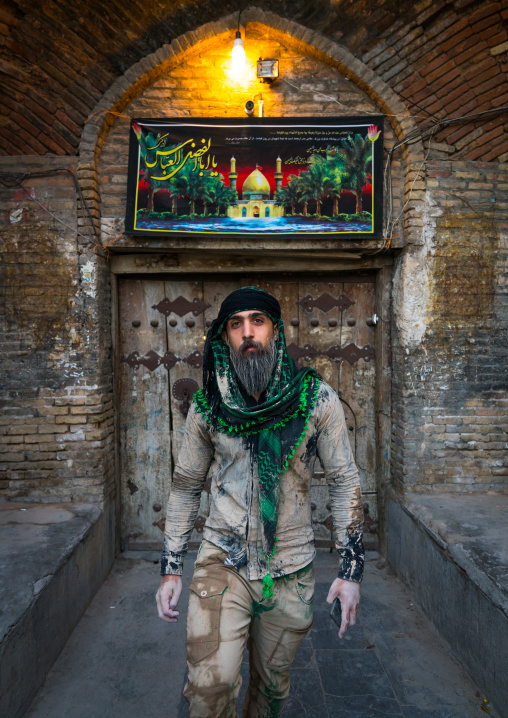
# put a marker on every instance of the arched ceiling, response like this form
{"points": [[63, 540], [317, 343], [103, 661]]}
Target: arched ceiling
{"points": [[57, 58]]}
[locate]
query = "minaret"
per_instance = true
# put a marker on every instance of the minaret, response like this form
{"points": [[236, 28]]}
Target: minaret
{"points": [[233, 175], [278, 175]]}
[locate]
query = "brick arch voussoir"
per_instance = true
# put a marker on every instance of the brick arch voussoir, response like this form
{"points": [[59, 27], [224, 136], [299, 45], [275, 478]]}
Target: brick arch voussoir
{"points": [[309, 42]]}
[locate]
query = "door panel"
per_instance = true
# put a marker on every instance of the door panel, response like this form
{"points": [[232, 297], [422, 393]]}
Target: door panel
{"points": [[357, 380], [185, 338], [145, 456], [327, 326]]}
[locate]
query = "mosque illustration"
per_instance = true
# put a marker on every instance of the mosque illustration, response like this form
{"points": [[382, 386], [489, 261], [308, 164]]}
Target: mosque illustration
{"points": [[255, 199]]}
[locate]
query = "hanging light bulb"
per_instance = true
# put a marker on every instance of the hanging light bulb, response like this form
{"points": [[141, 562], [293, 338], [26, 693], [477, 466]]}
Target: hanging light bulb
{"points": [[238, 54]]}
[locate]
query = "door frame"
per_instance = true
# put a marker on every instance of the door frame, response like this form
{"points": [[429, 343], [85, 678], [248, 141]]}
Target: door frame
{"points": [[327, 264]]}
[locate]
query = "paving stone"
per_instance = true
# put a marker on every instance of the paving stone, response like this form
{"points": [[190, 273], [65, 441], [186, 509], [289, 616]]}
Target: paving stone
{"points": [[417, 674], [442, 712], [362, 707], [305, 656], [320, 594], [306, 689], [395, 615], [244, 672], [124, 662], [325, 634], [352, 672], [294, 709]]}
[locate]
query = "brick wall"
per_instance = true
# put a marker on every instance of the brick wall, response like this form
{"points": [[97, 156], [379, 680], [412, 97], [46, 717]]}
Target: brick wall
{"points": [[201, 86], [450, 408], [449, 329], [447, 57], [440, 369], [450, 59], [56, 412]]}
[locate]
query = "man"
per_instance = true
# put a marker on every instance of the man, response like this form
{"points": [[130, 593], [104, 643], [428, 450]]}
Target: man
{"points": [[257, 429]]}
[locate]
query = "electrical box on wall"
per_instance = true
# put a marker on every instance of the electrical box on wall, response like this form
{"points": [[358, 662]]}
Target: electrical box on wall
{"points": [[267, 70]]}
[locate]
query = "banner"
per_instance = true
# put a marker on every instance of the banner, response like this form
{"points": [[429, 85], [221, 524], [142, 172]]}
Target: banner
{"points": [[256, 176]]}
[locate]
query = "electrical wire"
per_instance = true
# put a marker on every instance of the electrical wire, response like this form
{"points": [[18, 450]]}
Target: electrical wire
{"points": [[415, 104], [418, 135], [421, 134], [403, 115]]}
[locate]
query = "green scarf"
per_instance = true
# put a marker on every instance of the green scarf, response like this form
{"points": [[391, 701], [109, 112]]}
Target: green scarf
{"points": [[278, 425]]}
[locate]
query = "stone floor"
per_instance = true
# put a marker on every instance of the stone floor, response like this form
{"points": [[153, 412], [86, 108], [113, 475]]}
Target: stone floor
{"points": [[123, 662]]}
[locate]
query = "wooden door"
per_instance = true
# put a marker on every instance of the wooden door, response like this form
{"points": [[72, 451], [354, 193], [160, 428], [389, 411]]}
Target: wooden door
{"points": [[329, 325]]}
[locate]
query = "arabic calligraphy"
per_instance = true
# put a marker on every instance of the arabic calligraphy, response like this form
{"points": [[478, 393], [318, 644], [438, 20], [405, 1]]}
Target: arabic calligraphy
{"points": [[296, 161], [170, 161]]}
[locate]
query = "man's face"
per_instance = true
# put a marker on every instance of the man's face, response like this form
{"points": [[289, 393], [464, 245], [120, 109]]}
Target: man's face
{"points": [[251, 338], [245, 329]]}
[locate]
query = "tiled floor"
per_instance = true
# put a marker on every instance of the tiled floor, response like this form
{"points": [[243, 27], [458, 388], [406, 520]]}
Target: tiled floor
{"points": [[123, 662], [392, 663]]}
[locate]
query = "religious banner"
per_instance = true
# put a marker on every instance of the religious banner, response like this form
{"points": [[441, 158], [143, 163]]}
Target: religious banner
{"points": [[253, 176]]}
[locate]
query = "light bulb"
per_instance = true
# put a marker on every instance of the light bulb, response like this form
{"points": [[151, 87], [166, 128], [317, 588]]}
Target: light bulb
{"points": [[238, 54]]}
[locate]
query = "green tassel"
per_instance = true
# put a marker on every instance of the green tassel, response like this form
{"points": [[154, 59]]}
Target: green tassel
{"points": [[267, 586], [268, 580]]}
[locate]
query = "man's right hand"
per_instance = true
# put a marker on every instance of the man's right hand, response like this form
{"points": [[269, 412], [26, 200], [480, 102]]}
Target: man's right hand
{"points": [[167, 598]]}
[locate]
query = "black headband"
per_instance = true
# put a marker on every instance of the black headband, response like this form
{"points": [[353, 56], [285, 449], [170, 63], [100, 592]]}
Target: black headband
{"points": [[241, 300]]}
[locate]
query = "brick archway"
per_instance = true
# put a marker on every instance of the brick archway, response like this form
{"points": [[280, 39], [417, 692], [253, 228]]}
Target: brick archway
{"points": [[151, 67]]}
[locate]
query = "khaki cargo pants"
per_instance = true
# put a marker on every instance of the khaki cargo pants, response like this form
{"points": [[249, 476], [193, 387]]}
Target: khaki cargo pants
{"points": [[224, 607]]}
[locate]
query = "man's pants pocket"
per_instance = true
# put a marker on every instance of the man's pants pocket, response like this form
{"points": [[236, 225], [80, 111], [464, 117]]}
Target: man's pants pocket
{"points": [[203, 618]]}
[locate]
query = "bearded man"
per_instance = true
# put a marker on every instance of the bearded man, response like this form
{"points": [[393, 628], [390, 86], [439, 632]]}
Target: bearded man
{"points": [[256, 429]]}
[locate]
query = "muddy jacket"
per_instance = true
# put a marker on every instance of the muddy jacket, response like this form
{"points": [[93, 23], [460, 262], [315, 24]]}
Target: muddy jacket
{"points": [[233, 523]]}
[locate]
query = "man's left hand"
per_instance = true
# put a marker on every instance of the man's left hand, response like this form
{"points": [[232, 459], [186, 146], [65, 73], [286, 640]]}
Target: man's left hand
{"points": [[348, 593]]}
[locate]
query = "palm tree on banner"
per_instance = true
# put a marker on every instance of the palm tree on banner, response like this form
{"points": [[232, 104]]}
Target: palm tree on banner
{"points": [[189, 182], [335, 171], [316, 181], [210, 191], [224, 196], [289, 195], [303, 192], [215, 192], [148, 142], [356, 157], [280, 199]]}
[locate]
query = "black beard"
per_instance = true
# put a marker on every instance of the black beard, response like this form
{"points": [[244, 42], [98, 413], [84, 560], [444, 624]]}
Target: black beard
{"points": [[254, 369]]}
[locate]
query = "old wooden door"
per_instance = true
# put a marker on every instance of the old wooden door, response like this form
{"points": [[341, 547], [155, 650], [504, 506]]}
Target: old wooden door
{"points": [[329, 325]]}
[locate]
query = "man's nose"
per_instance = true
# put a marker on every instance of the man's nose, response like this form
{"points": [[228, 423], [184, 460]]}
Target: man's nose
{"points": [[248, 330]]}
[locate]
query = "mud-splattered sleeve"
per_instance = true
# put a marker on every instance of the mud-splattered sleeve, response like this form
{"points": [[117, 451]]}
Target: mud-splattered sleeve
{"points": [[188, 480], [334, 452]]}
